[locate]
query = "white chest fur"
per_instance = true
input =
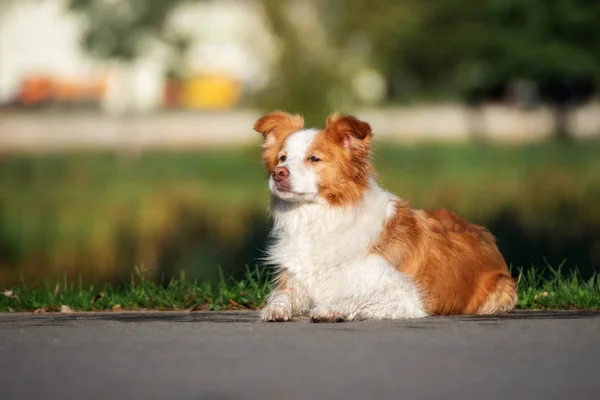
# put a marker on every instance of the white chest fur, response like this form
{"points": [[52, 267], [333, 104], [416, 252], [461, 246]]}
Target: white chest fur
{"points": [[321, 246], [326, 253]]}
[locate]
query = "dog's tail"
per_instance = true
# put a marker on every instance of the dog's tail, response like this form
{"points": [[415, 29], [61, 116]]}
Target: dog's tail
{"points": [[502, 299]]}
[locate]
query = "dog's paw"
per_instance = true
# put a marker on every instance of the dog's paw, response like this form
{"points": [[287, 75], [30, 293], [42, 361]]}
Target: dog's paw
{"points": [[275, 313], [320, 314]]}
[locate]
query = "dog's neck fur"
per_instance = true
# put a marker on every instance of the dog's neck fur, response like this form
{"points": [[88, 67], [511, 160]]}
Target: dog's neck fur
{"points": [[318, 234]]}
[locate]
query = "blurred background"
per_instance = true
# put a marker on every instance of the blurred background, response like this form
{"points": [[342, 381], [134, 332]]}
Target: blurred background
{"points": [[126, 125]]}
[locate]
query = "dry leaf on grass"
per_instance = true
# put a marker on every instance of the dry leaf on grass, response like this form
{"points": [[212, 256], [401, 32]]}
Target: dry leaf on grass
{"points": [[66, 309], [537, 296], [11, 295], [200, 307], [236, 305], [117, 307], [95, 299]]}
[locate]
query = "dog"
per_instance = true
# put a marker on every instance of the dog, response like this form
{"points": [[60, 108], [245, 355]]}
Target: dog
{"points": [[345, 249]]}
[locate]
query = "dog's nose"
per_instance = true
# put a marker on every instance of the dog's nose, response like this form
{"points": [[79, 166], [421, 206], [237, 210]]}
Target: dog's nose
{"points": [[280, 173]]}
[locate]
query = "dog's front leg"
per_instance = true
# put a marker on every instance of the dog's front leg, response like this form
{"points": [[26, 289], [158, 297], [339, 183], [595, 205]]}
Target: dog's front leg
{"points": [[288, 299]]}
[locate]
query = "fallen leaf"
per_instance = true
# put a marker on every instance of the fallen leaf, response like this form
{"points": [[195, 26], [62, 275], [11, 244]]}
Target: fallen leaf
{"points": [[200, 307], [95, 299], [117, 307], [236, 305], [539, 295], [39, 311], [11, 295], [66, 309]]}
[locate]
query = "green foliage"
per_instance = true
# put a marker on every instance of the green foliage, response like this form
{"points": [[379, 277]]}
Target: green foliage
{"points": [[559, 290], [466, 48], [555, 43], [140, 293], [122, 29], [448, 49]]}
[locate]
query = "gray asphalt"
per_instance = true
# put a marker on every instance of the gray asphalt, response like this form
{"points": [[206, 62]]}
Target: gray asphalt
{"points": [[199, 355]]}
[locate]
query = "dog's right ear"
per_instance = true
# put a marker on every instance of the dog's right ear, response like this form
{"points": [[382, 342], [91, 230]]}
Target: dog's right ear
{"points": [[277, 125]]}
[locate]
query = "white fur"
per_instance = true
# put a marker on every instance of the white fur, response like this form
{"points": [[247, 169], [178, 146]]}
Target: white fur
{"points": [[325, 252], [303, 180]]}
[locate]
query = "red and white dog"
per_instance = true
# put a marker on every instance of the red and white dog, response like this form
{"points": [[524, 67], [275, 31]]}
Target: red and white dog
{"points": [[345, 249]]}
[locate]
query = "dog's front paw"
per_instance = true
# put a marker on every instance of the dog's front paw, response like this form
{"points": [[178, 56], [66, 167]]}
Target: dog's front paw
{"points": [[275, 313], [321, 314]]}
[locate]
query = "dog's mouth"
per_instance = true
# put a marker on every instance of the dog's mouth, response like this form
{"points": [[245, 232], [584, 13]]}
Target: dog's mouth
{"points": [[283, 188], [287, 191]]}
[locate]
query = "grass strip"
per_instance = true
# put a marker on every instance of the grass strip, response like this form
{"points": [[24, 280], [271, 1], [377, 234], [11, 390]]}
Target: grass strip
{"points": [[546, 288]]}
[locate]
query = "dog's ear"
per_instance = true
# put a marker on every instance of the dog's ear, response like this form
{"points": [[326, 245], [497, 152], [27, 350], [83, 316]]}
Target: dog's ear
{"points": [[277, 125], [348, 129]]}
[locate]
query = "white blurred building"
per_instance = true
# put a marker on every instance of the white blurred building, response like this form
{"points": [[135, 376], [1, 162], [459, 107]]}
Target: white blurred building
{"points": [[41, 38]]}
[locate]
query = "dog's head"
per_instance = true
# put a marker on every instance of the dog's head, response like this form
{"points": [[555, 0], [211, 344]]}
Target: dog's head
{"points": [[316, 165]]}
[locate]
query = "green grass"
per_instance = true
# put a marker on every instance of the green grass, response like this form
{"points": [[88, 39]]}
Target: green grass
{"points": [[536, 291], [139, 294], [558, 290]]}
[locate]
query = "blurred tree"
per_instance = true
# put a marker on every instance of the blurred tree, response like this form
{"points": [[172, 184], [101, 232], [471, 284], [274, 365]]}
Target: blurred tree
{"points": [[324, 45], [478, 50], [121, 29], [305, 78], [471, 51]]}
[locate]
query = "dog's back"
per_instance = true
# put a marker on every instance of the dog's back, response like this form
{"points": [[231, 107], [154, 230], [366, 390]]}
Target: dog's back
{"points": [[453, 223]]}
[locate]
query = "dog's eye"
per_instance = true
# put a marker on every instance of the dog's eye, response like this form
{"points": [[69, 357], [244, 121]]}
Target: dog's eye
{"points": [[314, 159], [282, 158]]}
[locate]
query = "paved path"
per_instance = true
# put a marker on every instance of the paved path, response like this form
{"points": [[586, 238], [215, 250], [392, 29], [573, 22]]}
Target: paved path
{"points": [[231, 356]]}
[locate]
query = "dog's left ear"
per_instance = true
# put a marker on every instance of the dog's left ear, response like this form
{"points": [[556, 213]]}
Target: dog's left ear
{"points": [[349, 129]]}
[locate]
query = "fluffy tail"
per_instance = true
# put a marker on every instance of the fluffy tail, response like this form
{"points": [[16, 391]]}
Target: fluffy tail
{"points": [[502, 299]]}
